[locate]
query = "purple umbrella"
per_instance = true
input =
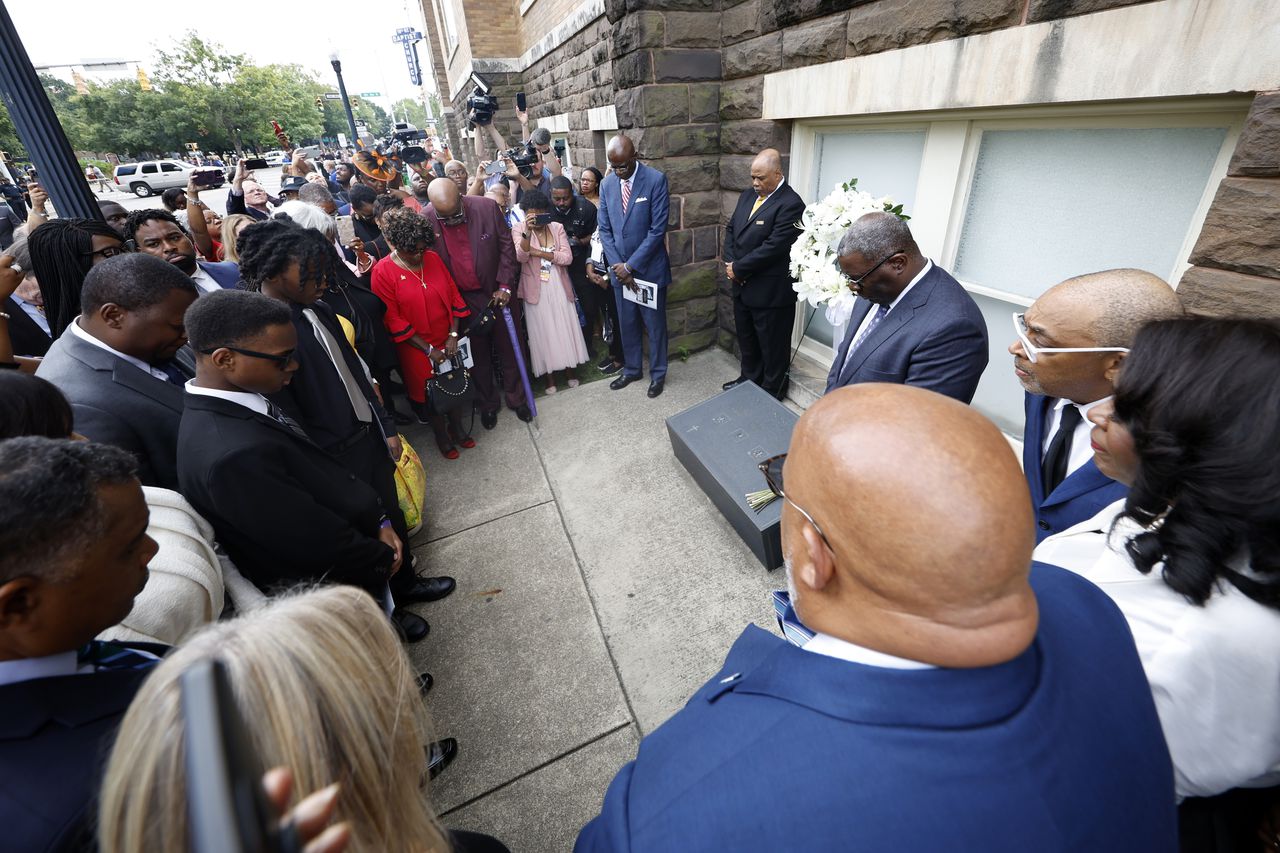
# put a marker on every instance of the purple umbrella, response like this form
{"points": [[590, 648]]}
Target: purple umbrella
{"points": [[524, 371]]}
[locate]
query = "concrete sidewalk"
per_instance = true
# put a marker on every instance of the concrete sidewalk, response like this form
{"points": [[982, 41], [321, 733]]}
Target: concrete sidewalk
{"points": [[597, 589]]}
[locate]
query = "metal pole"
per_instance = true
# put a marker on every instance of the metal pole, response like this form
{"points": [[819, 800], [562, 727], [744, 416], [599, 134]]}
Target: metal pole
{"points": [[38, 127], [346, 104]]}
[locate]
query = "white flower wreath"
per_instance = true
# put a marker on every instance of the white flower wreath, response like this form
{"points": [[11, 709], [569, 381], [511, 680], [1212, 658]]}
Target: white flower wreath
{"points": [[818, 280]]}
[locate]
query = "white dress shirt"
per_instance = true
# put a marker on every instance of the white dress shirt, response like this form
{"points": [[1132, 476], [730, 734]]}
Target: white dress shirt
{"points": [[825, 644], [866, 321], [770, 195], [50, 666], [252, 402], [136, 362], [204, 281], [33, 311], [1081, 448], [1213, 670]]}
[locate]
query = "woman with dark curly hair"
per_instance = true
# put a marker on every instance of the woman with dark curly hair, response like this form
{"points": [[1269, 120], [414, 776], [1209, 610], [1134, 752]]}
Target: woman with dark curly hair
{"points": [[423, 309], [1192, 555]]}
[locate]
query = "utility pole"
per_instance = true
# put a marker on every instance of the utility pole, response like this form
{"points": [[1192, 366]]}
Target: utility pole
{"points": [[346, 104]]}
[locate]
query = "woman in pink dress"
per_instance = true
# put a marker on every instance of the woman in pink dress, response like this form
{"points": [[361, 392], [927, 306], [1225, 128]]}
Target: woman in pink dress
{"points": [[542, 248]]}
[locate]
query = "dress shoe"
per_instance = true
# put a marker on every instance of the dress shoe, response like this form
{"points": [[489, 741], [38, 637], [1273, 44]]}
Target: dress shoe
{"points": [[524, 414], [410, 626], [440, 755], [733, 384], [655, 388], [426, 589], [424, 683], [622, 382], [489, 420]]}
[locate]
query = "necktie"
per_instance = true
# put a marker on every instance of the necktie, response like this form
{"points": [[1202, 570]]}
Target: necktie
{"points": [[756, 206], [359, 404], [109, 656], [626, 195], [278, 414], [1054, 467], [880, 314], [173, 374]]}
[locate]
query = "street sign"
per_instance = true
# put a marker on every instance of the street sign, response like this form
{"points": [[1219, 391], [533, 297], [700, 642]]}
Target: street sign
{"points": [[332, 96], [371, 94]]}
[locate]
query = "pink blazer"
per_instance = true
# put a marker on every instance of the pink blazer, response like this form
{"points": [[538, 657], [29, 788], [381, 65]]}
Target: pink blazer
{"points": [[531, 267]]}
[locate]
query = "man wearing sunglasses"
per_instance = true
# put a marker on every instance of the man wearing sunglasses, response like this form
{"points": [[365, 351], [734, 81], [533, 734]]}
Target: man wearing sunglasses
{"points": [[115, 362], [913, 324], [952, 693], [1067, 350]]}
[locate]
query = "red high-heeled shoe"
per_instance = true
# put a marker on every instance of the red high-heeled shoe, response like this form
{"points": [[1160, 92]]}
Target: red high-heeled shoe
{"points": [[467, 443], [451, 453]]}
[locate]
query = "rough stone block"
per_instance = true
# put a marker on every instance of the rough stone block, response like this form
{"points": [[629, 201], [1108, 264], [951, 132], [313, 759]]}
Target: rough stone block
{"points": [[1219, 293], [740, 22], [693, 29], [630, 107], [755, 56], [700, 313], [735, 172], [677, 65], [728, 204], [1048, 10], [727, 340], [688, 139], [706, 243], [893, 24], [691, 174], [691, 282], [644, 139], [674, 5], [1257, 153], [642, 29], [700, 208], [692, 342], [1242, 230], [680, 247], [741, 99], [750, 137], [677, 319], [614, 10], [818, 41], [634, 69], [665, 105], [704, 102], [788, 13], [674, 210]]}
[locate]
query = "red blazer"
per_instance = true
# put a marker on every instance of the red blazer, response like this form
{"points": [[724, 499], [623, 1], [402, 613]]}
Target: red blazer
{"points": [[491, 248]]}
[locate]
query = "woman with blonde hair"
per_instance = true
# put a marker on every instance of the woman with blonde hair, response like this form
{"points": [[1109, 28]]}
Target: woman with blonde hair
{"points": [[231, 227], [326, 691]]}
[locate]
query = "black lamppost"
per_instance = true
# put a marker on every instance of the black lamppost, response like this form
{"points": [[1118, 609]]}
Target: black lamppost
{"points": [[346, 105], [38, 127]]}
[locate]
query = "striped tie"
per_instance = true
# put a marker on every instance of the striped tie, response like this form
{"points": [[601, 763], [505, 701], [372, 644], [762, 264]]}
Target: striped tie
{"points": [[880, 314], [626, 195], [278, 414]]}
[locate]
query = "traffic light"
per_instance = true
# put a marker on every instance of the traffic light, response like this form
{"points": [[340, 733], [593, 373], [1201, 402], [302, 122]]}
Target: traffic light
{"points": [[144, 82], [320, 103], [355, 102]]}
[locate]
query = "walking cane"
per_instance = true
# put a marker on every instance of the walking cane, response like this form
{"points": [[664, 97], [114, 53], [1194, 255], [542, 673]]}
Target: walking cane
{"points": [[524, 371]]}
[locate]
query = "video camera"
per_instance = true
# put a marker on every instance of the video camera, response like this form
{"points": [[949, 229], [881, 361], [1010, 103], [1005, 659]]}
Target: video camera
{"points": [[482, 104], [524, 156], [400, 144]]}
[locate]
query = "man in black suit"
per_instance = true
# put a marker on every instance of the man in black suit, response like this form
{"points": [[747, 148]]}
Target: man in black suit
{"points": [[115, 362], [913, 323], [28, 327], [73, 555], [757, 260]]}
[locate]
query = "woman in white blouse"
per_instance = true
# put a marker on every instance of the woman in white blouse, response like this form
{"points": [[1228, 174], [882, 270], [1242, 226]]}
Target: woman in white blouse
{"points": [[1192, 556]]}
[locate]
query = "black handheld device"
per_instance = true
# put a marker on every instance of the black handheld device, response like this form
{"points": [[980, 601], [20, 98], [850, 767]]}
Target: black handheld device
{"points": [[521, 103]]}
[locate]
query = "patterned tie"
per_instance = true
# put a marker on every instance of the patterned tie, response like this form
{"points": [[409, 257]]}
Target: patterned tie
{"points": [[278, 414], [881, 313], [626, 195], [359, 405], [109, 656]]}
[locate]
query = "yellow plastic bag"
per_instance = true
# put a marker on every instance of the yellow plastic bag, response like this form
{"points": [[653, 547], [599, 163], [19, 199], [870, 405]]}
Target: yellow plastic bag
{"points": [[411, 485]]}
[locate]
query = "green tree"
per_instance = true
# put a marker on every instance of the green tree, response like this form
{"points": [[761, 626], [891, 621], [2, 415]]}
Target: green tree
{"points": [[412, 111]]}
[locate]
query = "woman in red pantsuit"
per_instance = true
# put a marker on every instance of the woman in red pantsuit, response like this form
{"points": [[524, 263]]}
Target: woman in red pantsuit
{"points": [[423, 308]]}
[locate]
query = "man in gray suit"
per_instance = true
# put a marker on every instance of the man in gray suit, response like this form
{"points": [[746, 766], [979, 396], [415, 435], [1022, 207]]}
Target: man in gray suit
{"points": [[913, 323], [115, 362]]}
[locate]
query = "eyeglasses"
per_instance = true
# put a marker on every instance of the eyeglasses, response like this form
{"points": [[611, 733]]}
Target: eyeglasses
{"points": [[282, 360], [772, 470], [851, 283], [108, 252], [457, 219], [1020, 327]]}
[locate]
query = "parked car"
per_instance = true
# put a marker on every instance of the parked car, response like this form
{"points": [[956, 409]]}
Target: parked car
{"points": [[154, 176], [276, 158]]}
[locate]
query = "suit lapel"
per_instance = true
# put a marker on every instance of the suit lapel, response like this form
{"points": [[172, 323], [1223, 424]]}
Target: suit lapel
{"points": [[744, 209], [860, 311], [636, 192], [889, 326], [1084, 479]]}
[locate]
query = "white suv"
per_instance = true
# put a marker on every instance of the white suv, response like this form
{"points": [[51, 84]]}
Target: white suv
{"points": [[154, 176]]}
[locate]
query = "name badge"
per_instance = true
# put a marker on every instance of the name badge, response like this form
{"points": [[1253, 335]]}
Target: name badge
{"points": [[545, 272], [759, 221]]}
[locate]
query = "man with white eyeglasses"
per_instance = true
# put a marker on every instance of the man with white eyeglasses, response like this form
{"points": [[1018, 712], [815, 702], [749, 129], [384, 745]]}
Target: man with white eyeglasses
{"points": [[1067, 352]]}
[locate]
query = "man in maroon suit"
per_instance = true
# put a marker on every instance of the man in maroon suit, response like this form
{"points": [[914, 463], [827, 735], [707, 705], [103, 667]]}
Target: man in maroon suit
{"points": [[475, 244]]}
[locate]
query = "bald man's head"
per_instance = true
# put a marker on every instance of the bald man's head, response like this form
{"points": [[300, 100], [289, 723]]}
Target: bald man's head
{"points": [[766, 172], [445, 197], [1102, 309], [927, 524], [621, 154]]}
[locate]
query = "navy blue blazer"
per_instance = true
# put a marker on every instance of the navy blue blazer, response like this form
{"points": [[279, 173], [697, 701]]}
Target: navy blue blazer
{"points": [[638, 239], [1057, 750], [225, 273], [1079, 497], [934, 338]]}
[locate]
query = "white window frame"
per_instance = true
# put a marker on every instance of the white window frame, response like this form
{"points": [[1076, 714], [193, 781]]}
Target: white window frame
{"points": [[953, 139], [450, 26]]}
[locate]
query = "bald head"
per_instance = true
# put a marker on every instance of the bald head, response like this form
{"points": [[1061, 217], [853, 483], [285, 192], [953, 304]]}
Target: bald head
{"points": [[766, 172], [621, 154], [1122, 301], [445, 197], [927, 522]]}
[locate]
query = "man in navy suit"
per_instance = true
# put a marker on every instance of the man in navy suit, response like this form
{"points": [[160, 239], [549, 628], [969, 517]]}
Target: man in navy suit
{"points": [[158, 232], [1068, 349], [952, 694], [757, 260], [913, 323], [633, 229], [73, 556]]}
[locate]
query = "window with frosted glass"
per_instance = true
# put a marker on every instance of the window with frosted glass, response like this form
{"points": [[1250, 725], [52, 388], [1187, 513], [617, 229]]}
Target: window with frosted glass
{"points": [[1045, 205], [885, 162]]}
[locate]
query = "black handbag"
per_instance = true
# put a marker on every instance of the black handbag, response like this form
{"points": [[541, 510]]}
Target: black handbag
{"points": [[452, 391], [483, 322]]}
